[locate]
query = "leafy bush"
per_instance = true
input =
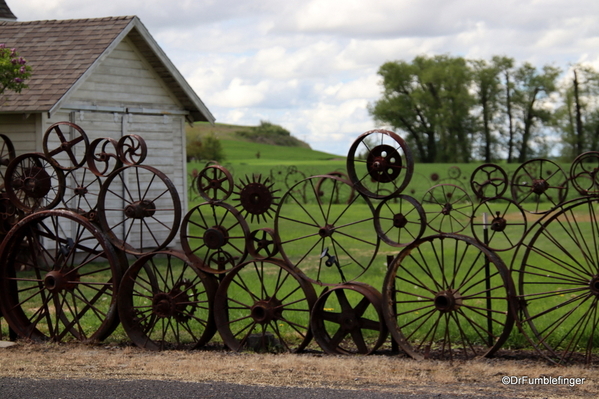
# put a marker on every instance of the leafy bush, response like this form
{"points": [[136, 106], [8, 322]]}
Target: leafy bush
{"points": [[206, 148]]}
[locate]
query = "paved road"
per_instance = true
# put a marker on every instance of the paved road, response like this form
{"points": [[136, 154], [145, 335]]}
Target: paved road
{"points": [[13, 388]]}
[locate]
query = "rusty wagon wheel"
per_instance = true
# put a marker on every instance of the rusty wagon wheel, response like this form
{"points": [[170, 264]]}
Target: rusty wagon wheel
{"points": [[558, 284], [264, 305], [214, 183], [34, 183], [7, 154], [165, 302], [214, 237], [102, 156], [448, 297], [399, 220], [59, 276], [450, 208], [348, 319], [323, 239], [488, 181], [82, 188], [380, 159], [261, 243], [139, 209], [504, 222], [63, 151], [584, 173], [539, 185], [132, 149]]}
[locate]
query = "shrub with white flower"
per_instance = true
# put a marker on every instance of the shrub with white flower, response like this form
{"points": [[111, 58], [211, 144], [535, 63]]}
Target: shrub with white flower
{"points": [[14, 70]]}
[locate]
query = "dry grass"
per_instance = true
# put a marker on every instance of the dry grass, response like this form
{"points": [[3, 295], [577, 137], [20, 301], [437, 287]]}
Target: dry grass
{"points": [[396, 374]]}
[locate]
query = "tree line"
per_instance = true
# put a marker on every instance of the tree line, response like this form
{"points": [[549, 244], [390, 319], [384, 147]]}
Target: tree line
{"points": [[452, 109]]}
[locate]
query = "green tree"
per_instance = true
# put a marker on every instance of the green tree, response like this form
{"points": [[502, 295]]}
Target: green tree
{"points": [[207, 148], [488, 88], [14, 70], [429, 100], [532, 91], [578, 116]]}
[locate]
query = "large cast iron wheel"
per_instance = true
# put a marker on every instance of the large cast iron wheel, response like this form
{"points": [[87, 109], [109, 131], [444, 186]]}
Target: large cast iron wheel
{"points": [[166, 303], [558, 284], [263, 305], [441, 301], [348, 319], [139, 209], [59, 276], [324, 239]]}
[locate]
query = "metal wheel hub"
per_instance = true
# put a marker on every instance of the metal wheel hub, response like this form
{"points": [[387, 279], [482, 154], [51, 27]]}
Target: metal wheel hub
{"points": [[384, 163], [215, 237], [265, 311], [140, 209], [448, 301], [594, 285], [399, 220], [55, 281], [326, 231], [37, 183], [498, 223], [539, 186], [170, 304]]}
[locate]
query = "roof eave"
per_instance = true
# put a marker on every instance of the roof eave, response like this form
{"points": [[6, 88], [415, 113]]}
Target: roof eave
{"points": [[200, 113]]}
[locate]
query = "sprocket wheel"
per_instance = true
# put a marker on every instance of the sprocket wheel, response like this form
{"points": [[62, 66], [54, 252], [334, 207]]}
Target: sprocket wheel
{"points": [[257, 197]]}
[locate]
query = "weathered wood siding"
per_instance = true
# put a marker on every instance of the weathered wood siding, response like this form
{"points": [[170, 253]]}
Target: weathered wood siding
{"points": [[125, 80]]}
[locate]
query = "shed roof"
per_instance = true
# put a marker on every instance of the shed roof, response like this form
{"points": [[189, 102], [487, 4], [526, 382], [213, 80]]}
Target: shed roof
{"points": [[5, 13], [62, 53]]}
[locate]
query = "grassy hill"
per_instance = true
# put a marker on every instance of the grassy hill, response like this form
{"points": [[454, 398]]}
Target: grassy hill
{"points": [[259, 157]]}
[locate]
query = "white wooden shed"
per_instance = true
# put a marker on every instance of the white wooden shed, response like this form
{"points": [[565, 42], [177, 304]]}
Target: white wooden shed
{"points": [[107, 75]]}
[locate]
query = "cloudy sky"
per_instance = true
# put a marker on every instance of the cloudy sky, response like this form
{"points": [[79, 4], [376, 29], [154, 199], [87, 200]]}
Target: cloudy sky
{"points": [[311, 65]]}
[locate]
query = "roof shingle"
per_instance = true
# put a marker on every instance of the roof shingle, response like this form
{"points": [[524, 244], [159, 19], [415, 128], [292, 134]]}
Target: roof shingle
{"points": [[60, 52]]}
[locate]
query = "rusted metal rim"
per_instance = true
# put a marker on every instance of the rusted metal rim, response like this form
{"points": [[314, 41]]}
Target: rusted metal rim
{"points": [[74, 149], [264, 306], [214, 236], [165, 302], [380, 163], [448, 297], [399, 220], [139, 209], [59, 276], [348, 319]]}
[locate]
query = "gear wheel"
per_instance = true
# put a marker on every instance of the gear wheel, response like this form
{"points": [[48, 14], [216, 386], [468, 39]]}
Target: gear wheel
{"points": [[256, 197]]}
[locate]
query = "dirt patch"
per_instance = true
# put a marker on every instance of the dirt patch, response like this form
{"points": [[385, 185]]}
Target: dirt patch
{"points": [[383, 372]]}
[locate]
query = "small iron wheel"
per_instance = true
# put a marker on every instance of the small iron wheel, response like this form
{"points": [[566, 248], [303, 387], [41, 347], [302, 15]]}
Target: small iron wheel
{"points": [[166, 303], [264, 306], [348, 319]]}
